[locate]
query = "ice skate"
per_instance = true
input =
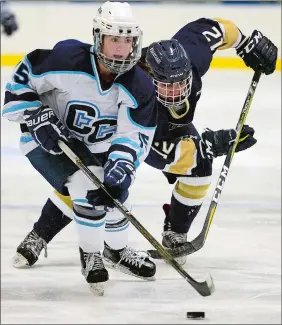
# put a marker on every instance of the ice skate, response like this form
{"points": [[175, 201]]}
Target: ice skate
{"points": [[29, 250], [94, 271], [130, 261]]}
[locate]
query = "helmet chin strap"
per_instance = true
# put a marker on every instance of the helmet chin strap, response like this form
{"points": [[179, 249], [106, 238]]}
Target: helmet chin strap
{"points": [[175, 109]]}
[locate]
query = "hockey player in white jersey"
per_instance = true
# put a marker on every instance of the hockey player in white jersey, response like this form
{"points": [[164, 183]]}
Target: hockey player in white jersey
{"points": [[106, 105]]}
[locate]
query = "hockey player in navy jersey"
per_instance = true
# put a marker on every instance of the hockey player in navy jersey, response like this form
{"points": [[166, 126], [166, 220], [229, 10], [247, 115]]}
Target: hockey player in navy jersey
{"points": [[176, 67], [96, 96]]}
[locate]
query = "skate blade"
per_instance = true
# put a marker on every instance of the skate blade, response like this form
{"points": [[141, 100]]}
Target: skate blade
{"points": [[124, 270], [97, 289], [20, 262]]}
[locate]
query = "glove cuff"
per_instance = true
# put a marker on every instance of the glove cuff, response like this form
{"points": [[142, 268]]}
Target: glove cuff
{"points": [[239, 48]]}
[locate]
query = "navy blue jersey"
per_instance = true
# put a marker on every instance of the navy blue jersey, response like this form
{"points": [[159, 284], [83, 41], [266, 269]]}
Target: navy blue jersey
{"points": [[200, 39]]}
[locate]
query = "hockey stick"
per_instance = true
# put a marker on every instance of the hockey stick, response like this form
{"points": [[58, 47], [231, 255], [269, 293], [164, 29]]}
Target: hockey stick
{"points": [[197, 243], [203, 288]]}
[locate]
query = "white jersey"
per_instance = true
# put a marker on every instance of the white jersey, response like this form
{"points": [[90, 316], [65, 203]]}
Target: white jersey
{"points": [[121, 119]]}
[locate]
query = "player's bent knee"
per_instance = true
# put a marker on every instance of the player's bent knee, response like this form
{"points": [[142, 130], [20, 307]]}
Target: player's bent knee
{"points": [[78, 185]]}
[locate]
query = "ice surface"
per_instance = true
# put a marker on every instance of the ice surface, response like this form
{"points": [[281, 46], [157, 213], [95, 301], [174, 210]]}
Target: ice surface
{"points": [[242, 251]]}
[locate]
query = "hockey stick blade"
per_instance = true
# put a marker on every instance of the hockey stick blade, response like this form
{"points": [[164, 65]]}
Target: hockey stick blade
{"points": [[205, 288], [184, 250], [187, 248]]}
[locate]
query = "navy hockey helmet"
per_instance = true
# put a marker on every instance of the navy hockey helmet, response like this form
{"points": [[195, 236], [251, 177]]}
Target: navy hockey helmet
{"points": [[171, 71]]}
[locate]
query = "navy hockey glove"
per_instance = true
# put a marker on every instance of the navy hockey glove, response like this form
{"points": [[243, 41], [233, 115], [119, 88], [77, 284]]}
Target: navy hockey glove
{"points": [[259, 53], [46, 128], [217, 143], [119, 175], [9, 23]]}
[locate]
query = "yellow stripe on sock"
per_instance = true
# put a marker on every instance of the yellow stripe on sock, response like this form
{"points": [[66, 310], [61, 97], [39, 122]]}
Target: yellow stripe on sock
{"points": [[190, 191], [65, 199]]}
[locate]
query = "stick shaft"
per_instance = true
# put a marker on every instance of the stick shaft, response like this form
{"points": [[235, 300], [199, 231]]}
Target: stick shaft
{"points": [[204, 288], [230, 154]]}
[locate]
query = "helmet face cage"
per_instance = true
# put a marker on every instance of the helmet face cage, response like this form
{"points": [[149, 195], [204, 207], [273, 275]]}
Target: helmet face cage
{"points": [[173, 94], [172, 75], [119, 66]]}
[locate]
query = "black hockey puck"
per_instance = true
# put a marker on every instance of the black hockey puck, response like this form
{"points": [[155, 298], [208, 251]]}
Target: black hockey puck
{"points": [[196, 314]]}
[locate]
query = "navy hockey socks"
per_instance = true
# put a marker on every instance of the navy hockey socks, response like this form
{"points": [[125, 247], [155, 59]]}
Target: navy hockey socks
{"points": [[51, 221], [179, 217]]}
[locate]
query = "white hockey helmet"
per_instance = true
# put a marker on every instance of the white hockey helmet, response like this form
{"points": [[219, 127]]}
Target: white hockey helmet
{"points": [[116, 18]]}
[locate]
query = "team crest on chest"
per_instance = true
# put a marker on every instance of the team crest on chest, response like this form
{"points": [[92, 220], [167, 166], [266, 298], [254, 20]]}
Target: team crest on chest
{"points": [[85, 120]]}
